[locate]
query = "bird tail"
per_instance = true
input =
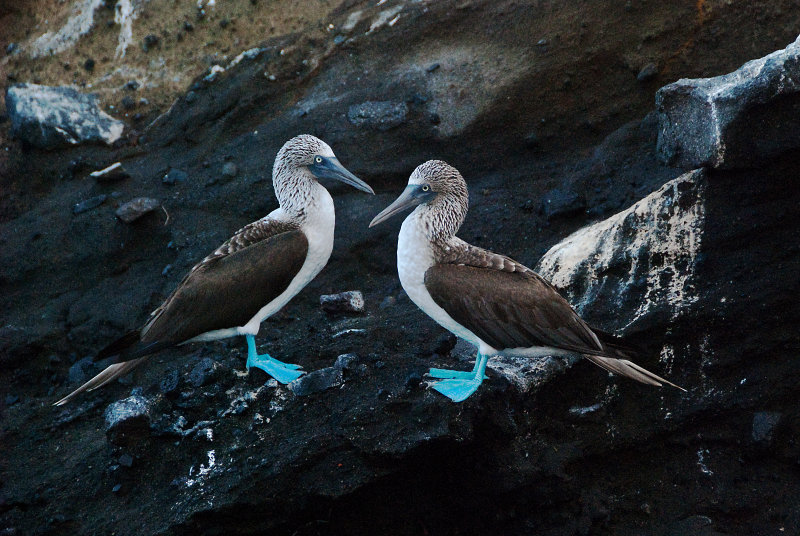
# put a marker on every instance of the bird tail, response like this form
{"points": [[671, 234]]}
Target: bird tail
{"points": [[110, 373], [129, 351], [622, 366]]}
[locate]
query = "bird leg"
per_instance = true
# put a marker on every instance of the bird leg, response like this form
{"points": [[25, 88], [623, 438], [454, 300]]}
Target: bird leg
{"points": [[456, 374], [283, 372], [459, 390]]}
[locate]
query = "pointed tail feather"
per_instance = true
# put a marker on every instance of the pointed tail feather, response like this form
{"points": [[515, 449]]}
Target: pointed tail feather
{"points": [[119, 346], [631, 370], [110, 373]]}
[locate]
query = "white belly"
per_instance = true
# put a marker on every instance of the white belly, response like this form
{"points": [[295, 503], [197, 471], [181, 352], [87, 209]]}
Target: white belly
{"points": [[414, 257]]}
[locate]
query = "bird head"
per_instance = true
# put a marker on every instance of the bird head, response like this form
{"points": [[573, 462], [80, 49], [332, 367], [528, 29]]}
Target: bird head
{"points": [[436, 184], [306, 152]]}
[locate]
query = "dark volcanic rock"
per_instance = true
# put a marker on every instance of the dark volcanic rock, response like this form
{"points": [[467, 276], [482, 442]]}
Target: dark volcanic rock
{"points": [[127, 419], [204, 372], [735, 120], [764, 423], [380, 116], [556, 203], [89, 204], [174, 175], [52, 117], [323, 379], [317, 381], [81, 371], [230, 169], [648, 73]]}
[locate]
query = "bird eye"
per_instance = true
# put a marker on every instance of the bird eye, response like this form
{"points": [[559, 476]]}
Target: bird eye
{"points": [[318, 159], [425, 187]]}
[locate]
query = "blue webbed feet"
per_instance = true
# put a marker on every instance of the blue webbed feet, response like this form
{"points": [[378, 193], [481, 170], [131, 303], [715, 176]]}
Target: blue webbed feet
{"points": [[451, 374], [282, 372], [459, 385], [448, 374], [457, 390]]}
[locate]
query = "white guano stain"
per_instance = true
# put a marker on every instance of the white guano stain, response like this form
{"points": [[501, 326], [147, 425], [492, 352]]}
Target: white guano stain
{"points": [[660, 230], [384, 17], [78, 24], [203, 471], [124, 15]]}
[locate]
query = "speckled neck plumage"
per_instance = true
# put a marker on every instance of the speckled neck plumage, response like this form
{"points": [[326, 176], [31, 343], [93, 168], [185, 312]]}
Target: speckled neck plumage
{"points": [[293, 183]]}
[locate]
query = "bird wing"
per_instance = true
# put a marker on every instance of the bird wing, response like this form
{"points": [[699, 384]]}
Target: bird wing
{"points": [[508, 307], [227, 288]]}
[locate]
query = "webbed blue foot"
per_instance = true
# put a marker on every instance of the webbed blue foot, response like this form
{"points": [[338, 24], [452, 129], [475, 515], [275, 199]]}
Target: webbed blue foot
{"points": [[457, 390], [459, 385], [283, 372]]}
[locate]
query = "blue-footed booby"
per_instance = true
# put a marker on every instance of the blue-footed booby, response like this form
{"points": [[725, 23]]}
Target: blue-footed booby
{"points": [[487, 299], [252, 275]]}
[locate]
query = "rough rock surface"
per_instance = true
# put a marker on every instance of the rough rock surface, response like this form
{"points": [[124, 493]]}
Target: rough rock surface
{"points": [[734, 120], [351, 301], [52, 117], [641, 261], [134, 209], [551, 446]]}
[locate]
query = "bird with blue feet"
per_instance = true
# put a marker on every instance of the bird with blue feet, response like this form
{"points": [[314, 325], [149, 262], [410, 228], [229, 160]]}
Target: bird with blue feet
{"points": [[252, 275], [487, 299]]}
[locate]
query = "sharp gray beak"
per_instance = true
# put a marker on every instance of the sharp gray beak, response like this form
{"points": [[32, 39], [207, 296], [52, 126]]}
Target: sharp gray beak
{"points": [[331, 168], [411, 197]]}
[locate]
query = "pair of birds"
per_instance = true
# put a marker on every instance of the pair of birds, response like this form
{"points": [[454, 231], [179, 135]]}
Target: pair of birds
{"points": [[489, 300]]}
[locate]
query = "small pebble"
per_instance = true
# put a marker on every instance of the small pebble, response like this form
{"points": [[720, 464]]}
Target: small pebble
{"points": [[230, 169], [648, 72], [89, 204], [136, 208], [149, 42], [344, 302]]}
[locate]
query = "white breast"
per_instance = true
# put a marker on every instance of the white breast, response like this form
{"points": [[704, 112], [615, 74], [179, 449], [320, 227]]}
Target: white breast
{"points": [[414, 257], [318, 228]]}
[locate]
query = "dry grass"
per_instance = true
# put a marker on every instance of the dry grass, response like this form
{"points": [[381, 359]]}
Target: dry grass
{"points": [[216, 37]]}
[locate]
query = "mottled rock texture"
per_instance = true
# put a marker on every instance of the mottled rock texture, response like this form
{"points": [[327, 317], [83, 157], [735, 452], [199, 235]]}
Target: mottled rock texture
{"points": [[52, 117], [552, 446], [735, 120]]}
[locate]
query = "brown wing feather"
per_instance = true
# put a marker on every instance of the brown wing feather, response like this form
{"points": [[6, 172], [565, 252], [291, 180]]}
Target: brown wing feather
{"points": [[509, 309], [250, 234], [227, 290], [508, 305]]}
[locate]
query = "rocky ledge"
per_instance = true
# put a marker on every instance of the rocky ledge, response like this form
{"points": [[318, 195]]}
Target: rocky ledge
{"points": [[697, 267]]}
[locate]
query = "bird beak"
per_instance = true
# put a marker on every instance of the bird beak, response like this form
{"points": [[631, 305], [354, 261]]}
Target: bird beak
{"points": [[411, 197], [331, 168]]}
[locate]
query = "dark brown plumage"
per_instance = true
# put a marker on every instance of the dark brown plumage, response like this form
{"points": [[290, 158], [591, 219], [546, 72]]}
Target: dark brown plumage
{"points": [[252, 275], [490, 300]]}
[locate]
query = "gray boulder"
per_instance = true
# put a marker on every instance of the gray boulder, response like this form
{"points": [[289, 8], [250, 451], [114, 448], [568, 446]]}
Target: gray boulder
{"points": [[735, 120], [639, 262], [51, 117]]}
